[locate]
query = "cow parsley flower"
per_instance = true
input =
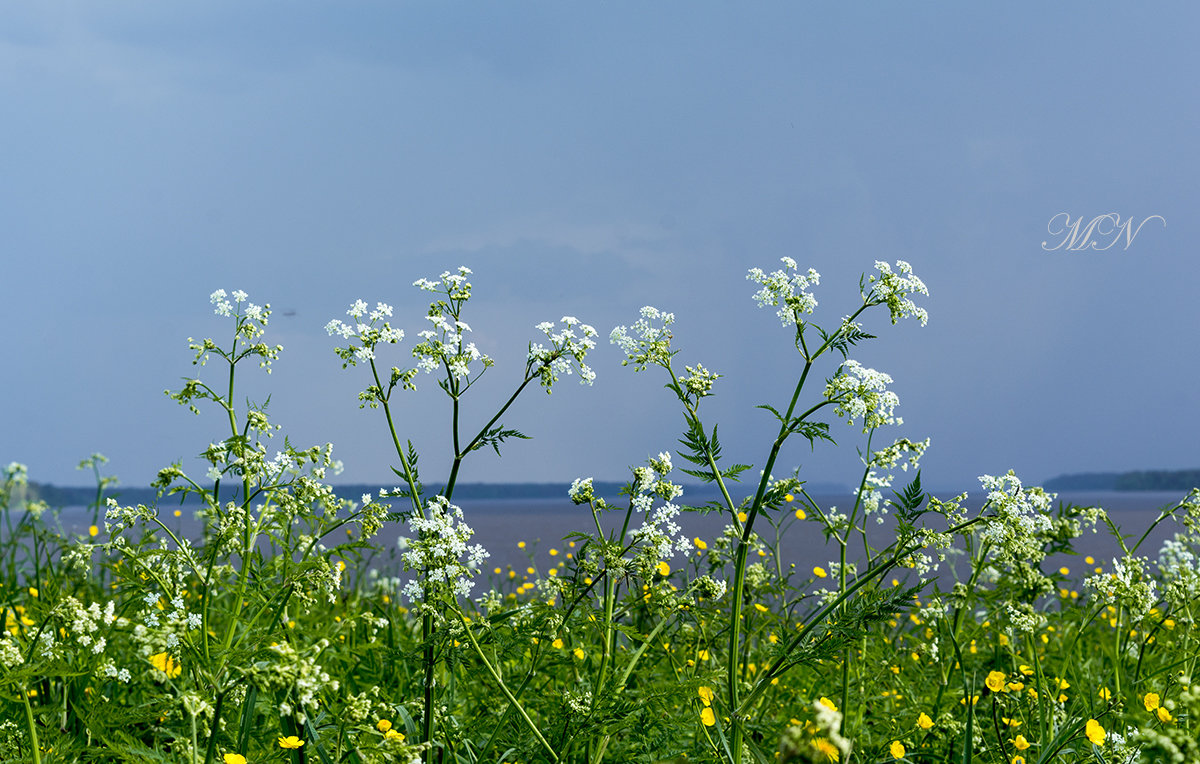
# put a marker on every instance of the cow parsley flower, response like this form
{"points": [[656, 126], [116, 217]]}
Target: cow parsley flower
{"points": [[437, 553], [861, 393], [893, 289], [786, 290], [1020, 515], [366, 334], [567, 351], [644, 343]]}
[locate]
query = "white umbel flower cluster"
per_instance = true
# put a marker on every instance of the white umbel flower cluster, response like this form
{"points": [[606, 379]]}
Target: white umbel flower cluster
{"points": [[660, 535], [893, 289], [1020, 516], [644, 343], [437, 550], [861, 394], [370, 328], [567, 351], [786, 290]]}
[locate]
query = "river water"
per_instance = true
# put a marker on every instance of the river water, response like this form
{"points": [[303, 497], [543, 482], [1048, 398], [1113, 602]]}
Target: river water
{"points": [[543, 524]]}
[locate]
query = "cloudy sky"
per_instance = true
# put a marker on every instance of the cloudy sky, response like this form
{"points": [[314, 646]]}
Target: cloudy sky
{"points": [[586, 160]]}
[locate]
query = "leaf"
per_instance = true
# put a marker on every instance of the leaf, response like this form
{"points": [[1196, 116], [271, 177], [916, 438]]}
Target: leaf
{"points": [[494, 437], [845, 338], [907, 503], [812, 431], [772, 410]]}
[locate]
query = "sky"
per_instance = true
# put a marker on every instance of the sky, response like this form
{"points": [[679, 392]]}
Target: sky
{"points": [[587, 160]]}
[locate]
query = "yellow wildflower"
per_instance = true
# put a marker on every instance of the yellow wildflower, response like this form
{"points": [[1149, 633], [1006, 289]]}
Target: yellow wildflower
{"points": [[829, 749], [166, 664], [1094, 732], [1020, 743], [924, 722], [1151, 701], [995, 681], [897, 749], [290, 742], [383, 725], [234, 758]]}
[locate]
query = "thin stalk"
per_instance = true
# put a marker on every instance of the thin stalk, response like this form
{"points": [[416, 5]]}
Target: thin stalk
{"points": [[780, 665], [512, 699], [739, 581], [33, 738]]}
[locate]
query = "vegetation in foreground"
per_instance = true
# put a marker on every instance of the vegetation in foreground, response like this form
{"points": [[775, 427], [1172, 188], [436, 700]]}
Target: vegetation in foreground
{"points": [[283, 633]]}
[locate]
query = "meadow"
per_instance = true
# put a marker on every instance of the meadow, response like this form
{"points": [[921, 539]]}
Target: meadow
{"points": [[275, 634]]}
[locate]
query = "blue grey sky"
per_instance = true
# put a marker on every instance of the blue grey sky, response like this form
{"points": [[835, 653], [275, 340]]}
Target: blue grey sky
{"points": [[586, 160]]}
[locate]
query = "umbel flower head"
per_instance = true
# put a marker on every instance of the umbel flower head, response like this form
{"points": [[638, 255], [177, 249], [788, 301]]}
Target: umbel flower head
{"points": [[786, 291], [437, 551], [861, 393], [893, 289], [568, 349], [645, 344]]}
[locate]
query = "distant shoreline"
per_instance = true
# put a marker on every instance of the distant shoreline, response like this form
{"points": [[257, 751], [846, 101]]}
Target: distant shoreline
{"points": [[69, 496], [1105, 485], [1138, 480]]}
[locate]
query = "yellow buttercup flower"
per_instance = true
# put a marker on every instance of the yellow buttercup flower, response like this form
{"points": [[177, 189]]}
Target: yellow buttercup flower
{"points": [[392, 736], [234, 758], [706, 695], [707, 717], [819, 572], [1020, 743], [897, 749], [290, 742], [924, 722], [383, 725], [166, 664], [1094, 732], [1163, 715], [995, 681], [1151, 701]]}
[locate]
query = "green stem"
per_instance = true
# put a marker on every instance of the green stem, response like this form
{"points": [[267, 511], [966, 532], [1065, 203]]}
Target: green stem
{"points": [[504, 688], [781, 664], [33, 738]]}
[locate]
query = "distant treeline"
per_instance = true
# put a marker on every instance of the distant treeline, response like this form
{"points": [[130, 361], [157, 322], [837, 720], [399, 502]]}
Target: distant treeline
{"points": [[1140, 480], [74, 496]]}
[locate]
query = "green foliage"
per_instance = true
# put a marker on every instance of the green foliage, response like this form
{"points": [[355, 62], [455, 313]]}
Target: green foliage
{"points": [[284, 632]]}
